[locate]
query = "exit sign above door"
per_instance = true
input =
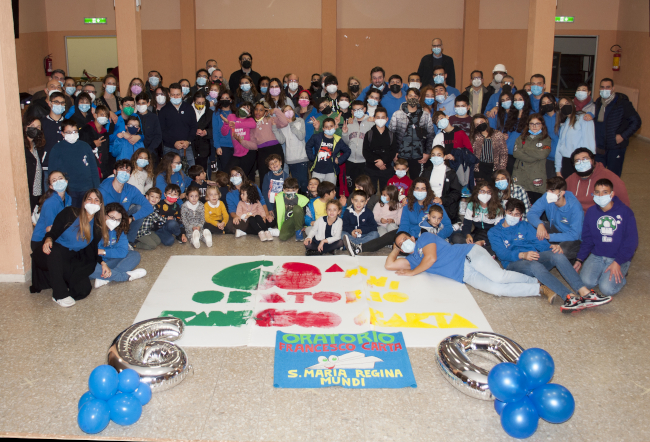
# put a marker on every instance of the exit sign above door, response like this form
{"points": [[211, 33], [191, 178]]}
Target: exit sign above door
{"points": [[564, 19], [95, 20]]}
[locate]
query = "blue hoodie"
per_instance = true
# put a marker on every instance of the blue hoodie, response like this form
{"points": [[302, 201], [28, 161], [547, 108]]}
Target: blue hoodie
{"points": [[78, 162], [219, 140], [183, 181], [309, 126], [120, 126], [410, 221], [115, 248], [509, 242], [392, 104], [364, 221], [567, 219], [130, 195], [121, 149], [384, 91], [50, 209]]}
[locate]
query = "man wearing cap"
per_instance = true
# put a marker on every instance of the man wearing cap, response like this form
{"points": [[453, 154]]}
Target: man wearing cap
{"points": [[498, 74], [436, 58]]}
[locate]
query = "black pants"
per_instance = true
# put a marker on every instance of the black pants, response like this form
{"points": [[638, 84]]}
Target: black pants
{"points": [[484, 172], [612, 159], [352, 171], [533, 196], [568, 167], [70, 272], [40, 275], [247, 163], [231, 227], [214, 229], [255, 225], [263, 154], [415, 168], [380, 175], [313, 245], [477, 235], [375, 245], [511, 164]]}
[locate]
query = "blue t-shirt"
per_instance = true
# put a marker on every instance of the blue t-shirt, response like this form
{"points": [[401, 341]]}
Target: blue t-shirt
{"points": [[450, 261]]}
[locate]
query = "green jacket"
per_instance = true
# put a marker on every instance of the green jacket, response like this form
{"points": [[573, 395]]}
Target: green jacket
{"points": [[530, 162], [279, 206]]}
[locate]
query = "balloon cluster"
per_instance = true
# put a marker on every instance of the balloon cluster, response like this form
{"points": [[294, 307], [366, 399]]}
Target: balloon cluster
{"points": [[112, 397], [523, 393]]}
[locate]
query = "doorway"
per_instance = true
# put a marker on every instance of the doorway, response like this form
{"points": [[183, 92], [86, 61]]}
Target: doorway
{"points": [[92, 54], [574, 62]]}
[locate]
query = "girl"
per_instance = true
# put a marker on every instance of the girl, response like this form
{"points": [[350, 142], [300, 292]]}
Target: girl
{"points": [[213, 96], [263, 85], [238, 180], [530, 152], [247, 93], [115, 252], [251, 210], [82, 114], [489, 147], [222, 144], [508, 189], [185, 90], [363, 182], [292, 137], [216, 214], [444, 183], [202, 145], [239, 126], [389, 211], [307, 111], [516, 123], [275, 96], [484, 211], [575, 132], [110, 98], [327, 231], [169, 171], [427, 98], [193, 217], [499, 120], [548, 109], [142, 170], [162, 98], [33, 141], [354, 88], [135, 87], [372, 101]]}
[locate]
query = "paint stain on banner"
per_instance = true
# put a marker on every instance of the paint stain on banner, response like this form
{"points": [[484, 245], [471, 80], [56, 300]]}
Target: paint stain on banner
{"points": [[294, 275], [211, 319], [208, 297], [285, 318], [334, 268], [245, 276], [272, 298]]}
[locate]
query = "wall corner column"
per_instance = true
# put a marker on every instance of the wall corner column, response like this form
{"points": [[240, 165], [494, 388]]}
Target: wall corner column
{"points": [[470, 40], [541, 39], [328, 35], [188, 39], [129, 42]]}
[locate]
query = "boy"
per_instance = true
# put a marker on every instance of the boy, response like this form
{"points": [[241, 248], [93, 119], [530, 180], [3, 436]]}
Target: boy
{"points": [[609, 240], [96, 135], [400, 179], [316, 208], [415, 81], [273, 181], [197, 173], [462, 119], [150, 124], [146, 238], [122, 148], [312, 188], [354, 130], [327, 151], [432, 222], [359, 225], [564, 214], [380, 148], [324, 106], [290, 212], [127, 109], [170, 209], [216, 214], [344, 108]]}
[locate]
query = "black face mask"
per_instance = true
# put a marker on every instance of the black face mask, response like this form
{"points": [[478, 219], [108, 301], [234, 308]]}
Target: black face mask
{"points": [[566, 109], [327, 110], [395, 88], [354, 88], [225, 103], [316, 84], [246, 64], [507, 88], [33, 132], [586, 173], [546, 108], [482, 127]]}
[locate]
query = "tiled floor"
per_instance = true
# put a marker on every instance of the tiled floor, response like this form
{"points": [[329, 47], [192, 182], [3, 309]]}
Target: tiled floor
{"points": [[47, 352]]}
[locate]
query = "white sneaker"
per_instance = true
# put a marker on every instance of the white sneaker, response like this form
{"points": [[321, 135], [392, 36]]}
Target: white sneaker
{"points": [[457, 226], [274, 232], [100, 283], [207, 237], [239, 233], [196, 237], [262, 236], [269, 235], [65, 302], [136, 274]]}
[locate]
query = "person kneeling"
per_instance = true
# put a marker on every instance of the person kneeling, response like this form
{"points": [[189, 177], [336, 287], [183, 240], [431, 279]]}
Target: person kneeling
{"points": [[327, 231]]}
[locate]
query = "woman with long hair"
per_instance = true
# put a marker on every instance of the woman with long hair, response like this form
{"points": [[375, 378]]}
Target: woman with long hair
{"points": [[575, 132], [161, 97], [246, 92], [33, 141], [507, 190], [516, 122], [275, 96], [135, 87], [531, 150], [489, 146], [239, 180], [170, 171], [110, 97], [354, 88]]}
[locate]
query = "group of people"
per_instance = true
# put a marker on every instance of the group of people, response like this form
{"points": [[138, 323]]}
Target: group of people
{"points": [[417, 166]]}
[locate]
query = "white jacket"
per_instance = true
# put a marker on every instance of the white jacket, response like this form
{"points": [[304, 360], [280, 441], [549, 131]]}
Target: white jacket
{"points": [[293, 137], [318, 230]]}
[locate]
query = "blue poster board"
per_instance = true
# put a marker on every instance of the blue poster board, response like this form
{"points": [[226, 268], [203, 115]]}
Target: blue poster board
{"points": [[364, 360]]}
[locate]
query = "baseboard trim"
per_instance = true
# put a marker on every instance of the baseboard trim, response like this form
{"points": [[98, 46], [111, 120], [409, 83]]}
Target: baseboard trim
{"points": [[17, 278], [643, 138]]}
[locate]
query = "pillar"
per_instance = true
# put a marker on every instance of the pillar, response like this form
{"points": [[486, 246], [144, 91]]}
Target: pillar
{"points": [[15, 223], [541, 39], [328, 35], [129, 42], [188, 39], [470, 41]]}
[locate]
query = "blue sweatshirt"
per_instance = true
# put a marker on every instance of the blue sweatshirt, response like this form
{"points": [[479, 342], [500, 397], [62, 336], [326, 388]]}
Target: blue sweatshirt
{"points": [[69, 239], [218, 140], [384, 91], [309, 126], [182, 180], [550, 126], [120, 127], [232, 199], [567, 219], [51, 208], [450, 259], [581, 134], [392, 104], [271, 186], [534, 102], [121, 149], [508, 242], [364, 221], [78, 162], [130, 195], [410, 221], [115, 248], [611, 234]]}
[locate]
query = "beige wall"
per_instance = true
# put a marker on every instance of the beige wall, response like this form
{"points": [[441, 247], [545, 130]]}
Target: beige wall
{"points": [[31, 45], [257, 14], [388, 14]]}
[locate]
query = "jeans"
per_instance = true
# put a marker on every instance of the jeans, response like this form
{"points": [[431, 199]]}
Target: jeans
{"points": [[77, 198], [331, 177], [569, 248], [365, 237], [593, 274], [119, 267], [135, 225], [169, 232], [224, 158], [300, 171], [189, 154], [483, 273], [612, 159], [541, 269]]}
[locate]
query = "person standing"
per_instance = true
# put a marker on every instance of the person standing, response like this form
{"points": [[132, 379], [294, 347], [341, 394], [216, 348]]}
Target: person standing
{"points": [[477, 94], [178, 125], [246, 63], [436, 58]]}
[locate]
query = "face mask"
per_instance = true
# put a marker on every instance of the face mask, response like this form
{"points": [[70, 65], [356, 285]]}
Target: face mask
{"points": [[245, 87], [303, 102], [141, 162], [213, 94], [506, 104], [327, 110], [141, 108], [498, 78], [132, 130], [507, 88], [583, 166], [439, 79], [381, 87], [225, 103], [33, 132], [344, 105], [476, 82], [201, 81], [293, 86], [358, 114], [77, 93], [482, 127], [420, 196], [414, 85], [329, 132], [437, 161], [484, 198], [102, 120], [275, 91], [436, 51], [519, 105], [603, 200], [381, 122], [136, 89], [354, 88], [395, 88], [536, 90], [462, 111], [161, 99], [443, 123], [153, 81], [112, 224], [176, 101], [128, 111], [413, 102], [243, 113], [384, 199], [177, 168], [501, 185], [546, 108], [60, 185], [429, 101], [263, 89], [92, 96], [71, 138], [315, 83], [246, 64], [534, 132], [551, 198], [49, 93], [400, 173], [185, 90], [605, 94], [408, 246], [512, 220], [332, 88], [211, 70], [172, 199], [58, 109], [440, 98], [123, 176], [566, 110], [581, 95], [110, 88], [70, 90], [92, 208], [529, 93], [236, 180], [372, 102], [289, 114], [199, 106]]}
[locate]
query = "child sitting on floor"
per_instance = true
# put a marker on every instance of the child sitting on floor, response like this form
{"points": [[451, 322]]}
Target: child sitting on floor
{"points": [[290, 213], [327, 232], [216, 214], [147, 238], [312, 188], [198, 174], [193, 216], [359, 224], [273, 181], [250, 209], [170, 209], [388, 211], [433, 222]]}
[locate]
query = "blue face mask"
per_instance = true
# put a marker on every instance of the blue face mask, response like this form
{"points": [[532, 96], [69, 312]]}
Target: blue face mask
{"points": [[534, 132], [582, 95], [408, 246], [519, 105], [141, 162], [436, 51], [429, 101], [60, 185], [263, 89], [501, 185], [177, 168], [84, 107], [443, 123], [384, 199], [420, 196], [462, 111], [185, 90], [437, 161], [154, 81], [605, 94], [201, 81], [512, 220], [358, 114], [440, 98], [245, 87], [602, 200], [329, 132], [536, 90], [70, 90], [439, 79], [583, 166], [236, 180], [372, 102], [400, 173], [123, 176], [110, 88], [506, 104], [176, 101], [58, 109], [132, 130]]}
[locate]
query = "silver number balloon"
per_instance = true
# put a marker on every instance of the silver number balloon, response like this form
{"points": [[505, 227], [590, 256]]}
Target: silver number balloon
{"points": [[146, 347], [455, 364]]}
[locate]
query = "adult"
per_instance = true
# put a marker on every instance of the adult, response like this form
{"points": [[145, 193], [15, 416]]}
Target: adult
{"points": [[537, 88], [154, 80], [33, 141], [203, 141], [354, 88], [445, 102], [477, 94], [377, 76], [393, 100], [380, 147], [275, 96], [222, 144], [316, 86], [169, 172], [211, 66], [587, 172], [201, 84], [509, 190], [530, 152], [150, 125], [548, 108], [162, 98], [616, 121], [575, 131], [583, 100], [110, 97], [185, 90], [178, 125], [136, 86], [440, 77], [58, 77], [512, 120], [246, 70], [40, 107], [70, 87], [436, 58], [489, 146], [216, 77], [293, 89], [246, 92], [497, 86], [82, 114], [443, 182]]}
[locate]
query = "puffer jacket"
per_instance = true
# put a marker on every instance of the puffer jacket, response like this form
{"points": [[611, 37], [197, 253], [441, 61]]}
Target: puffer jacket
{"points": [[620, 119], [399, 124]]}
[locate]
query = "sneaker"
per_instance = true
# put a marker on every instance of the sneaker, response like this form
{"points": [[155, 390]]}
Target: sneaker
{"points": [[275, 232], [300, 236], [593, 299], [462, 208], [131, 247], [269, 235], [65, 302], [572, 304], [310, 252], [136, 274], [262, 236], [207, 237], [239, 233], [100, 283], [353, 249], [548, 293], [457, 226], [196, 238]]}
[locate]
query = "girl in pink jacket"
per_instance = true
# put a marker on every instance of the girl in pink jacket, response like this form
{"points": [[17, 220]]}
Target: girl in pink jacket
{"points": [[239, 127], [250, 209], [388, 211]]}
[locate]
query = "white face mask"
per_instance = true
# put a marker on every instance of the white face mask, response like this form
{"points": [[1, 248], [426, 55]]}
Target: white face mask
{"points": [[414, 85], [92, 208], [160, 99], [71, 138], [344, 104], [332, 88], [293, 86], [211, 70], [92, 96], [498, 78], [476, 82], [141, 108], [381, 122], [551, 197], [112, 223], [484, 198]]}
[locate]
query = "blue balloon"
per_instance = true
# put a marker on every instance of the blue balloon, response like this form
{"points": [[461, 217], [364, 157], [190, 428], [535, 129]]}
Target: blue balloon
{"points": [[498, 406], [507, 382], [519, 419], [125, 409], [87, 396], [93, 416], [537, 365], [553, 403], [143, 393], [128, 381], [102, 382]]}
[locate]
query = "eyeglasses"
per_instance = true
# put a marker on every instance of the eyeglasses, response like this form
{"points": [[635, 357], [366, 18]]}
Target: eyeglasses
{"points": [[70, 133], [535, 124], [58, 102], [485, 192], [115, 219]]}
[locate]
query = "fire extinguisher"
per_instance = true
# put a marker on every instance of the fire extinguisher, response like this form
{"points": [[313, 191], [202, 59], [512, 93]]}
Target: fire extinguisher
{"points": [[47, 63], [617, 57]]}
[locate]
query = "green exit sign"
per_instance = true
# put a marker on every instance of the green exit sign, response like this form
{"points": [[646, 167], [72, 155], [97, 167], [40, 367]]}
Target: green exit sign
{"points": [[95, 20], [564, 19]]}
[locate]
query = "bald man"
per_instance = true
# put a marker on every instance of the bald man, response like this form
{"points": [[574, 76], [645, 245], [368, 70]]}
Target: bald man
{"points": [[436, 58]]}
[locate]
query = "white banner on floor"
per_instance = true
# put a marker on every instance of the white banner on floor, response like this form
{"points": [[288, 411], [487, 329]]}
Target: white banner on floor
{"points": [[230, 301]]}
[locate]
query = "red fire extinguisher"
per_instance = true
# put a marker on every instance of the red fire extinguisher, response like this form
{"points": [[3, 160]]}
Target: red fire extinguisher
{"points": [[617, 57], [47, 63]]}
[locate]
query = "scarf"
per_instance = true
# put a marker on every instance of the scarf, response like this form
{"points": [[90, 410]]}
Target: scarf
{"points": [[192, 206], [247, 96], [38, 175], [601, 114], [199, 113], [581, 104]]}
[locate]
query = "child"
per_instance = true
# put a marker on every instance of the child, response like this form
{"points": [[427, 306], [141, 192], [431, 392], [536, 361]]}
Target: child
{"points": [[96, 135], [389, 211], [354, 131], [433, 222], [462, 118], [147, 239], [400, 179], [193, 216], [273, 180], [198, 174], [312, 188], [294, 144], [142, 170], [290, 214], [171, 211], [317, 207], [363, 182], [122, 148], [326, 150], [359, 224], [327, 231], [250, 209], [216, 214], [222, 179]]}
